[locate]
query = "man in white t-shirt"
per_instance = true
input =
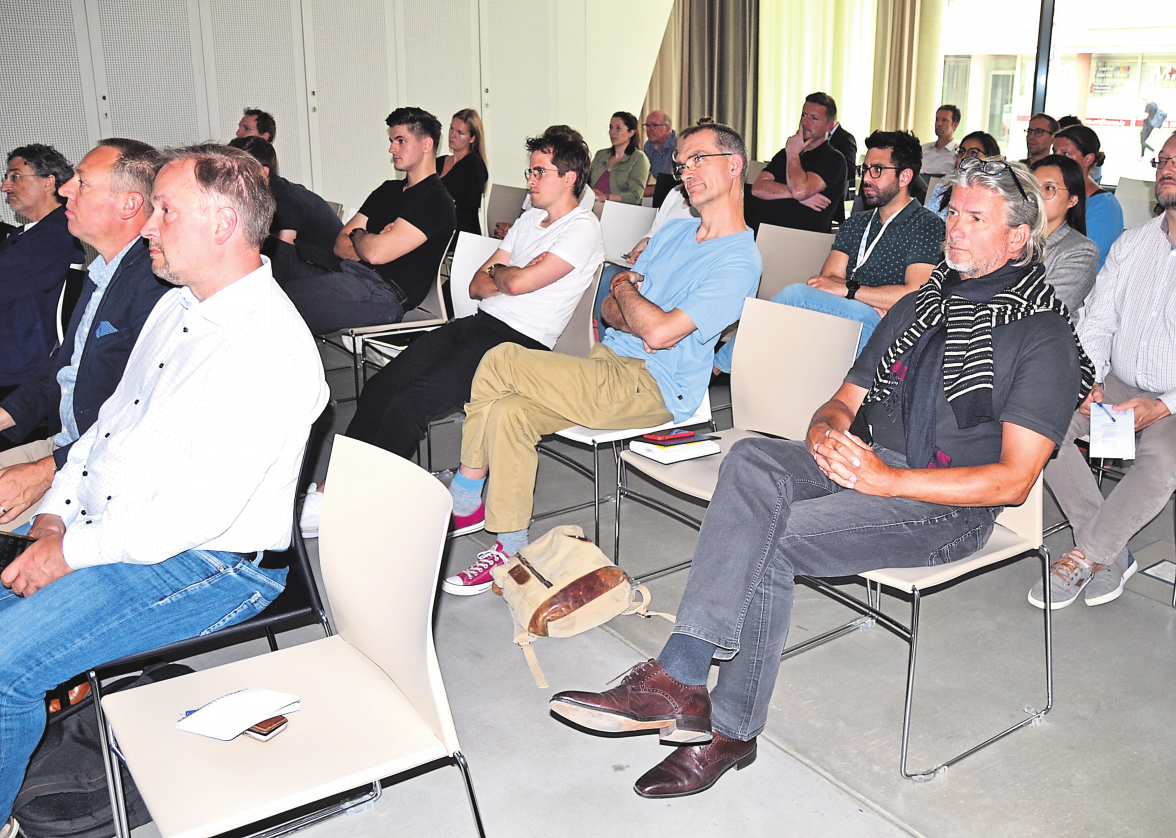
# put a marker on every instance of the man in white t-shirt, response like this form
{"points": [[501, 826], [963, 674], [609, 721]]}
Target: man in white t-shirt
{"points": [[939, 157], [527, 292]]}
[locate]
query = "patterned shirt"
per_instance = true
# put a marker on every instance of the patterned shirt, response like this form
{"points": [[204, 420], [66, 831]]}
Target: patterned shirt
{"points": [[101, 272], [661, 162], [914, 237], [1130, 323]]}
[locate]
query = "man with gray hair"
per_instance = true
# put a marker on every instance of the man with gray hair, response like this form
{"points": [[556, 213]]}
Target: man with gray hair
{"points": [[909, 449], [150, 530]]}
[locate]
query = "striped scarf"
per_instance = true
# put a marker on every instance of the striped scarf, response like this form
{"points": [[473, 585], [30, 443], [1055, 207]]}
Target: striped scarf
{"points": [[967, 366]]}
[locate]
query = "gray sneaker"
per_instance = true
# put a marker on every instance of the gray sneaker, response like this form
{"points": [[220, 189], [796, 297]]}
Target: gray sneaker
{"points": [[1067, 577], [1108, 581]]}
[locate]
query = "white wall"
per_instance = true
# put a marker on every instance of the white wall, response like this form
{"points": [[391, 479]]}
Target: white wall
{"points": [[180, 71]]}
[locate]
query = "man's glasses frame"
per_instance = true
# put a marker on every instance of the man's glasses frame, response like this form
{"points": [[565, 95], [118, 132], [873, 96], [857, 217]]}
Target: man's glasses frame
{"points": [[537, 171], [13, 177], [1038, 132], [693, 162], [875, 170], [1161, 162], [994, 168]]}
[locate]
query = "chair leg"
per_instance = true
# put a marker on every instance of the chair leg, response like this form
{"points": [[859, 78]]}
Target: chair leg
{"points": [[464, 767], [621, 477], [118, 805], [273, 641], [596, 492], [357, 350]]}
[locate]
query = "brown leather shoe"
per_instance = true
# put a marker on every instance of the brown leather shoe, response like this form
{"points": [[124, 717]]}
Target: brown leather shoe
{"points": [[648, 699], [692, 769]]}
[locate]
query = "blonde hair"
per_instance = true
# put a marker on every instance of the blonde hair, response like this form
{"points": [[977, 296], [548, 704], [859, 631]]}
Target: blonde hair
{"points": [[477, 133]]}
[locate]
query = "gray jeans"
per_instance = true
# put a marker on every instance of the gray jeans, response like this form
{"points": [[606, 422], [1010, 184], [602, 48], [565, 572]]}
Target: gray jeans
{"points": [[1102, 527], [775, 515]]}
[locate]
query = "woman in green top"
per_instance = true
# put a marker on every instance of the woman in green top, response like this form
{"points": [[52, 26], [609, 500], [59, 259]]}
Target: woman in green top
{"points": [[619, 173]]}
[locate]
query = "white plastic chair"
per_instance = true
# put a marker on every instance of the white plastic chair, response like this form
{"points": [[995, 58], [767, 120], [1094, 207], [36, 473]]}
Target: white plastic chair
{"points": [[373, 700], [469, 255], [1137, 197], [623, 225], [505, 204]]}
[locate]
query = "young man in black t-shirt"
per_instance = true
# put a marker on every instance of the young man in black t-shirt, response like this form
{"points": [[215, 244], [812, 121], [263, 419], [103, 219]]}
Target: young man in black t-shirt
{"points": [[806, 179], [387, 256]]}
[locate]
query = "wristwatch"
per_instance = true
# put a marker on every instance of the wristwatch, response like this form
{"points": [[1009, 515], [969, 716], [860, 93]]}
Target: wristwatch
{"points": [[490, 270], [851, 286], [351, 235]]}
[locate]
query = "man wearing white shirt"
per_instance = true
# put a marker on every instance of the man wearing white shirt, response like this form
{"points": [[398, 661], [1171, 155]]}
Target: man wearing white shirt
{"points": [[527, 292], [939, 157], [1129, 332], [147, 534]]}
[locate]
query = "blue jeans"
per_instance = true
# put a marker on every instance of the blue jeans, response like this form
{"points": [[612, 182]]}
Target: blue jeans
{"points": [[606, 276], [99, 614], [805, 296], [775, 515]]}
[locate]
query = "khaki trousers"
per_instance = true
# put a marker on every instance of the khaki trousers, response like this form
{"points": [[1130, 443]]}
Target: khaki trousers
{"points": [[30, 452], [518, 395]]}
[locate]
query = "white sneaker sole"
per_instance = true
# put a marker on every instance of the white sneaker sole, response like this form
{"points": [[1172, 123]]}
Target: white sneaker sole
{"points": [[1054, 604], [464, 590], [472, 528], [1111, 596]]}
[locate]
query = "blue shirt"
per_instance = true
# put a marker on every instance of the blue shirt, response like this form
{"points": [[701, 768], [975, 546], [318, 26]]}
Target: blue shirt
{"points": [[100, 273], [1104, 222], [661, 162], [708, 281]]}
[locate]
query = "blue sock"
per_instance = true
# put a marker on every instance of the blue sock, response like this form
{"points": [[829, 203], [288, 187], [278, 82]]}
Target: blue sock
{"points": [[514, 541], [467, 494], [687, 659]]}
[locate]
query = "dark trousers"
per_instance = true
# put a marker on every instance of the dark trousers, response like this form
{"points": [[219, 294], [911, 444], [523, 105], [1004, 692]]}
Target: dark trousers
{"points": [[431, 376], [330, 300]]}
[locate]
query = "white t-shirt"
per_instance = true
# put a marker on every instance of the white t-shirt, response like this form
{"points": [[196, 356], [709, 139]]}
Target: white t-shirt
{"points": [[939, 161], [542, 314]]}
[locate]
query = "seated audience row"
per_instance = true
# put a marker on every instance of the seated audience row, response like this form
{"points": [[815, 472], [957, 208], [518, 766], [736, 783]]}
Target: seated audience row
{"points": [[620, 172]]}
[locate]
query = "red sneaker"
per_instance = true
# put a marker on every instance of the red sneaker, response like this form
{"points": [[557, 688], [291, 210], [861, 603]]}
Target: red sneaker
{"points": [[476, 579], [466, 524]]}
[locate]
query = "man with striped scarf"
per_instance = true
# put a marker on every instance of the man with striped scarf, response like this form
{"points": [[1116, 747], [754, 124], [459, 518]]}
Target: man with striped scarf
{"points": [[949, 414]]}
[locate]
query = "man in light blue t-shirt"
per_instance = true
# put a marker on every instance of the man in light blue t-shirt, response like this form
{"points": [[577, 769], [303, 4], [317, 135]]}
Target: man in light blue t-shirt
{"points": [[653, 366]]}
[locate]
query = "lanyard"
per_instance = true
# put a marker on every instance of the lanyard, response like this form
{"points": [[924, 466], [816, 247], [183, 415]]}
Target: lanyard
{"points": [[863, 251]]}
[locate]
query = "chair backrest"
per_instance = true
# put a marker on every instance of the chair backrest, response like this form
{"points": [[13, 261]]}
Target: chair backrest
{"points": [[789, 256], [336, 208], [754, 167], [1025, 520], [623, 225], [71, 292], [788, 362], [932, 183], [1137, 197], [505, 203], [470, 254], [381, 535], [432, 307], [577, 337]]}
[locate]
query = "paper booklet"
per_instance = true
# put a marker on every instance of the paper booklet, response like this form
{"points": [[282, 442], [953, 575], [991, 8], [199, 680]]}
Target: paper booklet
{"points": [[675, 453], [230, 715]]}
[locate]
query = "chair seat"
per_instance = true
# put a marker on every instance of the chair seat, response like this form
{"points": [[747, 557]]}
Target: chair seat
{"points": [[595, 436], [1003, 544], [696, 478], [354, 727]]}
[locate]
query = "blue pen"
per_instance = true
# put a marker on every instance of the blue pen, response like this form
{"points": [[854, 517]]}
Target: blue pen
{"points": [[1107, 409]]}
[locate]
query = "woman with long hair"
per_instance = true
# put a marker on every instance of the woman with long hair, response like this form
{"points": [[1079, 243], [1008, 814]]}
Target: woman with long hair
{"points": [[1071, 259], [620, 172], [1104, 215], [463, 171]]}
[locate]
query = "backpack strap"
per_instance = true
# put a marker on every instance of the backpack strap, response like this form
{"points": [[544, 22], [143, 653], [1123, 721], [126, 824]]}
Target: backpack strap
{"points": [[641, 609], [533, 663]]}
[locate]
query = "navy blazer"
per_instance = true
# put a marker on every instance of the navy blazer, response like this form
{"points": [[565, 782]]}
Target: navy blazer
{"points": [[33, 267], [132, 293]]}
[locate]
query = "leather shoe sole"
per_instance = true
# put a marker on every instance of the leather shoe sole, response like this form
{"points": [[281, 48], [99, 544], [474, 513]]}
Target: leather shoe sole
{"points": [[676, 729], [690, 770]]}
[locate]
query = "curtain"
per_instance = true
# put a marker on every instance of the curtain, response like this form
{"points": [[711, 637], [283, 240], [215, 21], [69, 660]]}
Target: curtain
{"points": [[708, 65], [896, 64], [809, 46]]}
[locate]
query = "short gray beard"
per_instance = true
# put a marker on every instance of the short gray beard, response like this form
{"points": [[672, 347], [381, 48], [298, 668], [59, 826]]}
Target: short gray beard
{"points": [[974, 269], [1167, 200]]}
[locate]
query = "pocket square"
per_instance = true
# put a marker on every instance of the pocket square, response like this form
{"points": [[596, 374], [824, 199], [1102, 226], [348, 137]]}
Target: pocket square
{"points": [[104, 328]]}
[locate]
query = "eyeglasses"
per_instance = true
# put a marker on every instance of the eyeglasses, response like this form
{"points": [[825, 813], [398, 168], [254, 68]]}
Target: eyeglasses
{"points": [[969, 152], [1161, 162], [693, 162], [875, 170], [1050, 190], [995, 168], [1039, 132], [13, 177], [648, 125], [537, 172]]}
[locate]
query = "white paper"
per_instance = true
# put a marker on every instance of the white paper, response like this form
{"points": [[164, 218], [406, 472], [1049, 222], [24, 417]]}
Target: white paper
{"points": [[230, 715], [675, 453], [1112, 432]]}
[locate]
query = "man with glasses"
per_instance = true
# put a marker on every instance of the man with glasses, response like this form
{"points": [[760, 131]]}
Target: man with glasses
{"points": [[939, 157], [801, 184], [386, 257], [879, 256], [660, 144], [34, 261], [526, 294], [652, 366], [1130, 336], [907, 465], [1039, 137]]}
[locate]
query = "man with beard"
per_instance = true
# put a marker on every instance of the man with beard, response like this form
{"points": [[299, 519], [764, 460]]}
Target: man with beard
{"points": [[917, 452], [878, 256], [1130, 335]]}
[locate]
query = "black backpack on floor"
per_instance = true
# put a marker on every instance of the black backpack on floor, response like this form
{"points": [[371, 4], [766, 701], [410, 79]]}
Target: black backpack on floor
{"points": [[64, 793]]}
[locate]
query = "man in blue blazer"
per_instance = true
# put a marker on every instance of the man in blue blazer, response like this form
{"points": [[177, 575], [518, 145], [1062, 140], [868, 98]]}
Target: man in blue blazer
{"points": [[34, 261], [107, 203]]}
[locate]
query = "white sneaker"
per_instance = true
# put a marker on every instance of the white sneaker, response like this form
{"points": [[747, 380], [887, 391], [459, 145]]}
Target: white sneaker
{"points": [[312, 510], [10, 828]]}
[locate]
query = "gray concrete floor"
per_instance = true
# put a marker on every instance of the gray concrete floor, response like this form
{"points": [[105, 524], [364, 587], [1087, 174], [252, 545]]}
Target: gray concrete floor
{"points": [[1100, 764]]}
